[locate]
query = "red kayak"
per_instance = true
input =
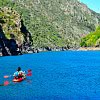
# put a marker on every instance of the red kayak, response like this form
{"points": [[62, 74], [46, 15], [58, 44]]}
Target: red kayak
{"points": [[18, 79]]}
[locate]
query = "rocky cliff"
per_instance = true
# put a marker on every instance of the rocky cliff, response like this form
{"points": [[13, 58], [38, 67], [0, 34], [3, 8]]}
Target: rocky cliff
{"points": [[13, 34]]}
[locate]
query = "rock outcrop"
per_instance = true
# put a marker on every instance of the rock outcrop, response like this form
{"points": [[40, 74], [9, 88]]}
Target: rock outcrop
{"points": [[13, 34]]}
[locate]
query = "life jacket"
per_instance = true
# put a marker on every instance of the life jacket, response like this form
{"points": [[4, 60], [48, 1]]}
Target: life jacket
{"points": [[19, 74]]}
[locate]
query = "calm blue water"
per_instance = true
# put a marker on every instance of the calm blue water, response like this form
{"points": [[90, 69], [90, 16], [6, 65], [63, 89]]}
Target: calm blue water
{"points": [[70, 75]]}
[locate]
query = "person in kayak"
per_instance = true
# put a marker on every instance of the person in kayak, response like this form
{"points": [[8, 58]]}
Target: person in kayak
{"points": [[19, 73]]}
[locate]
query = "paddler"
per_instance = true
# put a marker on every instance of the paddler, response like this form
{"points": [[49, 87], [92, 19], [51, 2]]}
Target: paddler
{"points": [[19, 73]]}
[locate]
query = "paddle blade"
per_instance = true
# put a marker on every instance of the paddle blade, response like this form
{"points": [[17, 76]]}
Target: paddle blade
{"points": [[29, 74], [6, 76], [29, 70], [6, 83]]}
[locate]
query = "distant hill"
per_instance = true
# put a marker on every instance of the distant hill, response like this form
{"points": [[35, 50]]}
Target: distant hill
{"points": [[52, 24]]}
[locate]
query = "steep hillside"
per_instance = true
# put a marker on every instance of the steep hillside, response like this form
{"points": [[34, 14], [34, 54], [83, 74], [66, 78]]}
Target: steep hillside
{"points": [[13, 33], [11, 23], [55, 23]]}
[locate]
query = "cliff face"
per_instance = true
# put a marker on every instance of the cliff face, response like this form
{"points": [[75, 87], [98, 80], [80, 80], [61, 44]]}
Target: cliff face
{"points": [[53, 24], [13, 33], [10, 21]]}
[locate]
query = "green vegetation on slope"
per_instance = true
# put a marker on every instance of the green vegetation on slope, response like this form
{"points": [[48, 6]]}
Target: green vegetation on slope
{"points": [[54, 23], [43, 32], [10, 22], [92, 39]]}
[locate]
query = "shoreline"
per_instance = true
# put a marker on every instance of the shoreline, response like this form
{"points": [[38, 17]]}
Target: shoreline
{"points": [[88, 49], [78, 49]]}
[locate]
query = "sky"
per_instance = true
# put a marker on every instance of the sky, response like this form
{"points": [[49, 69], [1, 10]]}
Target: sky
{"points": [[92, 4]]}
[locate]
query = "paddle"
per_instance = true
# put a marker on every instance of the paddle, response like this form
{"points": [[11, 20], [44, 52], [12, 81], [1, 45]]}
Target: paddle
{"points": [[5, 83], [28, 74], [7, 76]]}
